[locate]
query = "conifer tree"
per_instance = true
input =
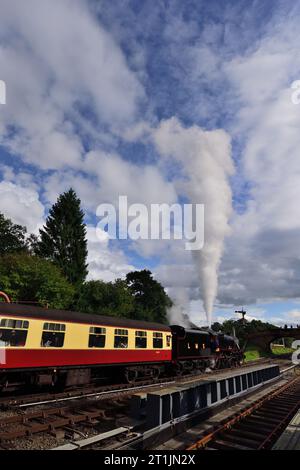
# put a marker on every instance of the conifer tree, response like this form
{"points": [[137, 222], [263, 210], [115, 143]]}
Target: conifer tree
{"points": [[63, 238]]}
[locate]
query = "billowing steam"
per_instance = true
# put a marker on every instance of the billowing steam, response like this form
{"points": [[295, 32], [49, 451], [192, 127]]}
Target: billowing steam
{"points": [[178, 313], [206, 162]]}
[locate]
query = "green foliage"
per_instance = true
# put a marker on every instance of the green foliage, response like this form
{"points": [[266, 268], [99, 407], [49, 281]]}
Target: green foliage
{"points": [[253, 353], [63, 238], [217, 326], [12, 236], [32, 244], [103, 298], [243, 328], [288, 342], [52, 270], [278, 350], [140, 297], [29, 278], [150, 299]]}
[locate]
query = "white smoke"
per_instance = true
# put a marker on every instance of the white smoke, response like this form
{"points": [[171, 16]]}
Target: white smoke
{"points": [[206, 161], [178, 313]]}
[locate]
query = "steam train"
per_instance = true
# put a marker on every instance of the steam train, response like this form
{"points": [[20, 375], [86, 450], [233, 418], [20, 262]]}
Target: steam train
{"points": [[45, 347]]}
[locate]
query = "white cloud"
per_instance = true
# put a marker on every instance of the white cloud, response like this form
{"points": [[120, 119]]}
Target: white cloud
{"points": [[21, 204], [106, 176], [264, 240], [140, 183], [293, 314], [60, 64], [55, 58], [105, 262]]}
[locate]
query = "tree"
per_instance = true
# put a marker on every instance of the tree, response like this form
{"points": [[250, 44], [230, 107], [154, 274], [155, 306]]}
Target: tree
{"points": [[150, 299], [103, 298], [243, 328], [30, 278], [121, 299], [32, 243], [63, 238], [12, 236], [216, 326]]}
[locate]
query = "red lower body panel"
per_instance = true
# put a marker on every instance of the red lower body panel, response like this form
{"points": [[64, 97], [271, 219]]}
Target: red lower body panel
{"points": [[28, 358]]}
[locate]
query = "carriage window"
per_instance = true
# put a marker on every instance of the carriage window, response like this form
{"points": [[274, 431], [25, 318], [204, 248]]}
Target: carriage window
{"points": [[168, 340], [97, 337], [53, 335], [121, 338], [140, 339], [157, 340], [13, 332]]}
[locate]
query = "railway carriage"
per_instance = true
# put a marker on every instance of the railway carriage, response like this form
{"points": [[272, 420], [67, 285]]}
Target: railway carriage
{"points": [[44, 346], [41, 346]]}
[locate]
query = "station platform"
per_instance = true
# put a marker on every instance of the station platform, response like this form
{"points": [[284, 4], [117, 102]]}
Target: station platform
{"points": [[183, 400], [290, 439]]}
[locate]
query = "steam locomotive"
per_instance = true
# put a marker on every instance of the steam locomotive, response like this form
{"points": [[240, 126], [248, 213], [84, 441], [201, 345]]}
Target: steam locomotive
{"points": [[41, 347]]}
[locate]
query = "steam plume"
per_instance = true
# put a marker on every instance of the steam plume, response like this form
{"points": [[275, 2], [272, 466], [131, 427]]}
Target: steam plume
{"points": [[177, 314], [205, 157]]}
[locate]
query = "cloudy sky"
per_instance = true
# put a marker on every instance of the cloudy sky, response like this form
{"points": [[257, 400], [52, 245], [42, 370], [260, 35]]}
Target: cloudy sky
{"points": [[99, 91]]}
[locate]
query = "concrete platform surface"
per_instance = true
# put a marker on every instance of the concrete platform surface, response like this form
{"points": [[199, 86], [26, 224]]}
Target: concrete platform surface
{"points": [[290, 439]]}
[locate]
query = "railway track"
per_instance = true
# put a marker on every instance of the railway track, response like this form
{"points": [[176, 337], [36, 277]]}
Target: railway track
{"points": [[60, 417], [70, 419], [29, 400], [258, 425]]}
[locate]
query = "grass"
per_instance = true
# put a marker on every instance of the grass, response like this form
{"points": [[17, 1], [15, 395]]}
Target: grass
{"points": [[252, 353], [281, 350]]}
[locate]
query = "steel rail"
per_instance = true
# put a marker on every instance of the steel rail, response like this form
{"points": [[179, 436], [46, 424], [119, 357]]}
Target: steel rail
{"points": [[24, 401], [247, 412]]}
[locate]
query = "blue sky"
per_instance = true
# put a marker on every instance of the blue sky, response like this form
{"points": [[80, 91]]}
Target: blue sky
{"points": [[114, 98]]}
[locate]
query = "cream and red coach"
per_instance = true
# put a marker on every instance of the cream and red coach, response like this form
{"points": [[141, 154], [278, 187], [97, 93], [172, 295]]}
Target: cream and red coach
{"points": [[45, 346]]}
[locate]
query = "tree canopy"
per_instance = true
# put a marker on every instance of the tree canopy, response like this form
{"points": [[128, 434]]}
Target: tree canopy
{"points": [[12, 236], [63, 238], [105, 298], [150, 299], [242, 328], [29, 278], [139, 297], [51, 269]]}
